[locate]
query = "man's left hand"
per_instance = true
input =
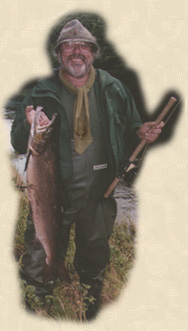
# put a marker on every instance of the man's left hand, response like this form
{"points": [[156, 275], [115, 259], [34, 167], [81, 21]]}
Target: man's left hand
{"points": [[149, 132]]}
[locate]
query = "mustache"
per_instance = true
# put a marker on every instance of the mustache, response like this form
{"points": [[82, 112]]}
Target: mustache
{"points": [[76, 56]]}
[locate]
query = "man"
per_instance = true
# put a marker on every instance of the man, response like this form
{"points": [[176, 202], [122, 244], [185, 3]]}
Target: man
{"points": [[97, 118]]}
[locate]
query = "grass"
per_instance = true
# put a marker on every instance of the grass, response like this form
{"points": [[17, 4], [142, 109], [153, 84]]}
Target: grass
{"points": [[67, 299]]}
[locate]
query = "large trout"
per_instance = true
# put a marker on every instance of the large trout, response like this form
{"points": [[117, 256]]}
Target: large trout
{"points": [[43, 187]]}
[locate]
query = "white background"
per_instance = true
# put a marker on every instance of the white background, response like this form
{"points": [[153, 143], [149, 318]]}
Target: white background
{"points": [[152, 37]]}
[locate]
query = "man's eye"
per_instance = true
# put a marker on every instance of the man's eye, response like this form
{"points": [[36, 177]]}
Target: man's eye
{"points": [[69, 45]]}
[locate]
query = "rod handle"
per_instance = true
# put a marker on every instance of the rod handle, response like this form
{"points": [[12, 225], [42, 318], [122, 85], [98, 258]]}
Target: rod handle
{"points": [[159, 119]]}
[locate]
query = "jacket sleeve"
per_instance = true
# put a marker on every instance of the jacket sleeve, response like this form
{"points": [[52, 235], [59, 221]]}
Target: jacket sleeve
{"points": [[21, 128], [134, 121]]}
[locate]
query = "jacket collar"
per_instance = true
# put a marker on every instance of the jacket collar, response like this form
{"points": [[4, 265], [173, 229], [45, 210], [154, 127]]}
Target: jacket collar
{"points": [[51, 86]]}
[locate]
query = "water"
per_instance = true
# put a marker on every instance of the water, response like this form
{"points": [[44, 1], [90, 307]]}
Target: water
{"points": [[127, 203], [125, 196], [18, 160]]}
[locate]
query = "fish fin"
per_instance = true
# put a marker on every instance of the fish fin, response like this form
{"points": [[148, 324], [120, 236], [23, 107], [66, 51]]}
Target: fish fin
{"points": [[27, 159]]}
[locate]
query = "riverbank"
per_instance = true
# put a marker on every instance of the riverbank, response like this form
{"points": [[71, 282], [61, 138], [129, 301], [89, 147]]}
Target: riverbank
{"points": [[66, 301]]}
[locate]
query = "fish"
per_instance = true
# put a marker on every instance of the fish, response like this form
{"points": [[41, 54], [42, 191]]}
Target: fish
{"points": [[43, 188]]}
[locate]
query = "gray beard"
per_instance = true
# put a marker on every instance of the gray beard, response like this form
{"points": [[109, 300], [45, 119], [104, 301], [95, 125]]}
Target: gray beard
{"points": [[73, 72]]}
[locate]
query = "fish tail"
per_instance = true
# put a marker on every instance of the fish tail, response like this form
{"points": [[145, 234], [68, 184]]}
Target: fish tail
{"points": [[49, 273]]}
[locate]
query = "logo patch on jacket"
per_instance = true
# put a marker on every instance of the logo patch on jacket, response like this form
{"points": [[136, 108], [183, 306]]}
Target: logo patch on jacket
{"points": [[100, 166]]}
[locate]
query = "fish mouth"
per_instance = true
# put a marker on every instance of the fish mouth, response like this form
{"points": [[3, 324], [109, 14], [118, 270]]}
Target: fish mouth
{"points": [[41, 135], [42, 128]]}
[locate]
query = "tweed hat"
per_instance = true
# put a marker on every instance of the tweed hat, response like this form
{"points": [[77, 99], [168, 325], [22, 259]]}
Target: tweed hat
{"points": [[75, 31]]}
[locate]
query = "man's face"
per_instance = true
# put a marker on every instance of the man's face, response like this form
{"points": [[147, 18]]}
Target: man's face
{"points": [[76, 58]]}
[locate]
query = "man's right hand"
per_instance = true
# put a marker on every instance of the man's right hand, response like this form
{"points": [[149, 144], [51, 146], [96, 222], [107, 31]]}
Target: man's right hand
{"points": [[30, 114]]}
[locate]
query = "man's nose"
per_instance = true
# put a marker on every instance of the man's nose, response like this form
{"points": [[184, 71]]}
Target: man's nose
{"points": [[76, 49]]}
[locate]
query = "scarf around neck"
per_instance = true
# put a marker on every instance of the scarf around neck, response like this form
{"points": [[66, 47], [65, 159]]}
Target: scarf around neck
{"points": [[81, 125]]}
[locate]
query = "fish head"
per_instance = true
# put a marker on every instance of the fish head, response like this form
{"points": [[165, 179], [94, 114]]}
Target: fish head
{"points": [[41, 135]]}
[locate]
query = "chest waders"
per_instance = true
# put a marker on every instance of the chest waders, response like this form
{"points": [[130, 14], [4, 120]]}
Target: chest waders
{"points": [[84, 190], [93, 219]]}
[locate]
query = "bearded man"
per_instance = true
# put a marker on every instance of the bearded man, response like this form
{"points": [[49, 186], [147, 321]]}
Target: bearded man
{"points": [[97, 118]]}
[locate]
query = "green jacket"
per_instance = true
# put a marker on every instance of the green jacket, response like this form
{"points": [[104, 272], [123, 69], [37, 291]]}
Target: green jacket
{"points": [[117, 111]]}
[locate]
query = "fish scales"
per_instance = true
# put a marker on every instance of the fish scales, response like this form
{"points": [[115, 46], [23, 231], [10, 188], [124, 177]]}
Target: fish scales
{"points": [[42, 193], [43, 187]]}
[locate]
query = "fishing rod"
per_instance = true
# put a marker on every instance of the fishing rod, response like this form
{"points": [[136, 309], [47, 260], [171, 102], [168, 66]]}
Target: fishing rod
{"points": [[143, 144]]}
